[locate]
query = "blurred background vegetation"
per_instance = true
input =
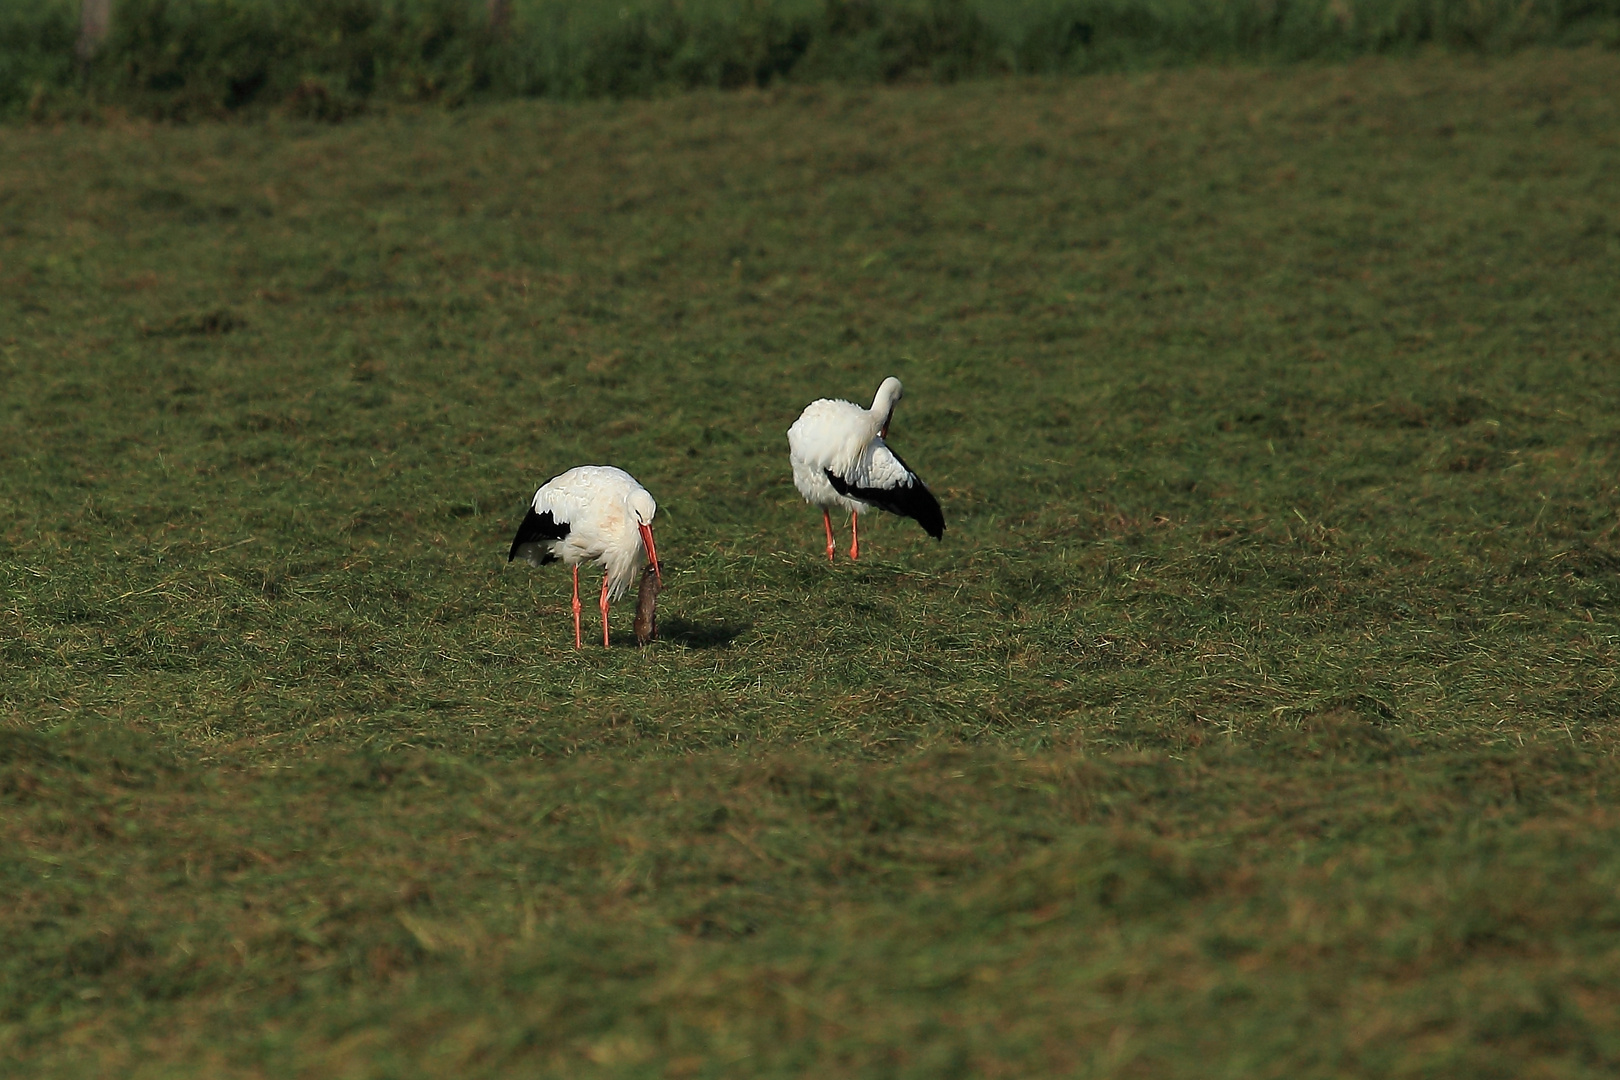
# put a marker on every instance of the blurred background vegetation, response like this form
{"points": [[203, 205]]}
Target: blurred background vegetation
{"points": [[328, 59]]}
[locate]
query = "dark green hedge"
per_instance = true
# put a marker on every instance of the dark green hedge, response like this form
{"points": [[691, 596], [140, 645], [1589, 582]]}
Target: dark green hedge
{"points": [[329, 58]]}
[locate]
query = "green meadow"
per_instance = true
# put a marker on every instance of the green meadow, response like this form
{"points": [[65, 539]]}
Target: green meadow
{"points": [[1255, 717]]}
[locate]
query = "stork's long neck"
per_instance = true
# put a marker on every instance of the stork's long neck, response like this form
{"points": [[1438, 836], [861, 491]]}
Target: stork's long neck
{"points": [[883, 406]]}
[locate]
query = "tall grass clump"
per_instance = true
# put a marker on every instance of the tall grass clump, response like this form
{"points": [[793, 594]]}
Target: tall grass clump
{"points": [[1094, 35], [322, 58], [327, 58], [36, 52]]}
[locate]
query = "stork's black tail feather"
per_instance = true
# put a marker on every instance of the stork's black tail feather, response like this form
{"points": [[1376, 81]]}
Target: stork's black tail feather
{"points": [[911, 499], [538, 528]]}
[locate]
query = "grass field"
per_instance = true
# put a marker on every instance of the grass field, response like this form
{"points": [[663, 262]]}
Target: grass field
{"points": [[1256, 717]]}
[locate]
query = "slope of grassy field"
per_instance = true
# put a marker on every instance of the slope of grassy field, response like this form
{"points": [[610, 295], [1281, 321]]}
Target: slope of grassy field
{"points": [[1255, 717]]}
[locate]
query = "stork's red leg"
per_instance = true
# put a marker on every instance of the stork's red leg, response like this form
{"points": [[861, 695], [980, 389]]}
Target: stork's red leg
{"points": [[826, 519], [578, 644], [604, 610], [854, 535]]}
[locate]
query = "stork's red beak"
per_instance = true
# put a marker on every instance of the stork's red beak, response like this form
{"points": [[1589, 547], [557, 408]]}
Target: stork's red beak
{"points": [[652, 552]]}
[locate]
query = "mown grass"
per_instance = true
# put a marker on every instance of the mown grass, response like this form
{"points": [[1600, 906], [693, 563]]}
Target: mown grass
{"points": [[1254, 718]]}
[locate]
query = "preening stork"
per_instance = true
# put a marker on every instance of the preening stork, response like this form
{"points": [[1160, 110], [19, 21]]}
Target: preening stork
{"points": [[593, 513], [840, 459]]}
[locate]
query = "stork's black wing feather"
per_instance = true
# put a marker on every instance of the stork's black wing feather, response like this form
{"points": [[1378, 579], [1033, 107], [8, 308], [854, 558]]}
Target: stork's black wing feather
{"points": [[535, 529], [911, 499]]}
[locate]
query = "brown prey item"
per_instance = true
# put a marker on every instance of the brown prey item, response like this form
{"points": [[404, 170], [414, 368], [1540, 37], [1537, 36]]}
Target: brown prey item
{"points": [[646, 600]]}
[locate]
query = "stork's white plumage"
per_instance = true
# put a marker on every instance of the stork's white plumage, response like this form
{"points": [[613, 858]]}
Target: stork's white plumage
{"points": [[840, 459], [593, 513]]}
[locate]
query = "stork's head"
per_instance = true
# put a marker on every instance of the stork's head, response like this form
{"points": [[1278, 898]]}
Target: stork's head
{"points": [[883, 404], [643, 507]]}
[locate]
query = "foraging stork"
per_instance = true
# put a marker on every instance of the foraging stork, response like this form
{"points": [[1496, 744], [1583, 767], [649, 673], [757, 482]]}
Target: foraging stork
{"points": [[593, 513], [840, 459]]}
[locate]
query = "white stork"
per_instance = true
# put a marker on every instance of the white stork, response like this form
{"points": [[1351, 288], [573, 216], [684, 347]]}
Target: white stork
{"points": [[840, 459], [593, 513]]}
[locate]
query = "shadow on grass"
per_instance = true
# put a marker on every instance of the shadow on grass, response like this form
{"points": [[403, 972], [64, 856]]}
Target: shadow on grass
{"points": [[715, 635]]}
